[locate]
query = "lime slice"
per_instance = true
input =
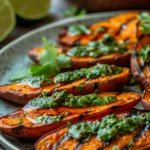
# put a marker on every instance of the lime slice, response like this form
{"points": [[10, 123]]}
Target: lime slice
{"points": [[7, 19], [31, 9]]}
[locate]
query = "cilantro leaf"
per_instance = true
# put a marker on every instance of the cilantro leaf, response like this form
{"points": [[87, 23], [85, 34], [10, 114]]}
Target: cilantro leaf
{"points": [[143, 53], [144, 17], [74, 11], [63, 61], [49, 55], [51, 62], [78, 30], [145, 28], [18, 75]]}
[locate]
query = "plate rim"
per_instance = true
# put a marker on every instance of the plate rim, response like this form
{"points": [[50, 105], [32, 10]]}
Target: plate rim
{"points": [[3, 140]]}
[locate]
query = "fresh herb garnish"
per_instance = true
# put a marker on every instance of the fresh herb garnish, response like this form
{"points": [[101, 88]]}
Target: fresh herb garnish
{"points": [[109, 128], [143, 53], [51, 62], [96, 48], [131, 143], [20, 121], [90, 73], [68, 124], [114, 147], [37, 81], [74, 11], [78, 30], [81, 88], [144, 17], [100, 29], [48, 119], [69, 100], [132, 81], [97, 91]]}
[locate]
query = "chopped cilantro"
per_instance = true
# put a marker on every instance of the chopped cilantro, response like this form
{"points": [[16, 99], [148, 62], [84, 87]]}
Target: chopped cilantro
{"points": [[114, 147], [131, 143], [20, 121], [80, 88], [74, 11], [78, 29], [68, 124], [143, 53], [144, 17]]}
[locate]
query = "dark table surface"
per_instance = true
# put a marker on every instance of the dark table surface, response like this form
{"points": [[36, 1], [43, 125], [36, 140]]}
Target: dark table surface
{"points": [[56, 11]]}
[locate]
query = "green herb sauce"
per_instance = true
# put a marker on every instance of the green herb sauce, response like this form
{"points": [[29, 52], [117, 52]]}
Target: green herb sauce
{"points": [[96, 48], [48, 119], [37, 81], [68, 100], [78, 30], [90, 73], [109, 128]]}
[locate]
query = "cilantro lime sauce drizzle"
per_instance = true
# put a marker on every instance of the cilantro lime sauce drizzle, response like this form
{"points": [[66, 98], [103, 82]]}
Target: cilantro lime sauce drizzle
{"points": [[68, 100], [37, 81], [70, 76], [109, 128], [48, 119], [96, 48], [89, 73]]}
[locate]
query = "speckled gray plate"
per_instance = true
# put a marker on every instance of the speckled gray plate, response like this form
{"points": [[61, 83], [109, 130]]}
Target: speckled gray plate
{"points": [[14, 57]]}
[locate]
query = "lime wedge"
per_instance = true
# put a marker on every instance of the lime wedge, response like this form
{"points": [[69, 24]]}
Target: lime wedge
{"points": [[7, 19], [31, 9]]}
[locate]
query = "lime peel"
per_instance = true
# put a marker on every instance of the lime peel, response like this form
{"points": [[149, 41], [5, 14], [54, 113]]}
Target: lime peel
{"points": [[31, 9], [7, 19]]}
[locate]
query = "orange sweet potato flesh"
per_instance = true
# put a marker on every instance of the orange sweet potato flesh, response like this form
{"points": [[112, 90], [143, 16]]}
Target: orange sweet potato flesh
{"points": [[22, 93], [114, 24], [139, 70], [56, 140], [30, 129]]}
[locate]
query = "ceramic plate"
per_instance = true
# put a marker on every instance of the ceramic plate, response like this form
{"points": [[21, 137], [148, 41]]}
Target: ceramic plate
{"points": [[14, 57]]}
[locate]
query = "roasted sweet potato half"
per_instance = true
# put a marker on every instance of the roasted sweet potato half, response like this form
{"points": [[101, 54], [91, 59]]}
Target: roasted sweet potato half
{"points": [[112, 26], [32, 121], [127, 130], [77, 62], [22, 92], [140, 66]]}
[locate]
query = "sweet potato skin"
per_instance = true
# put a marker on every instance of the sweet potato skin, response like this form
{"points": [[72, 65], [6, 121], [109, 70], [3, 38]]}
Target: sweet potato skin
{"points": [[139, 71], [119, 59], [49, 141], [28, 129], [146, 98], [114, 23], [22, 93]]}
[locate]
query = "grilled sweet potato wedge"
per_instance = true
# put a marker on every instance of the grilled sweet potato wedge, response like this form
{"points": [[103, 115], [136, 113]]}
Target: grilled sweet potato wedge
{"points": [[22, 123], [119, 59], [140, 68], [21, 93], [138, 139], [114, 24]]}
